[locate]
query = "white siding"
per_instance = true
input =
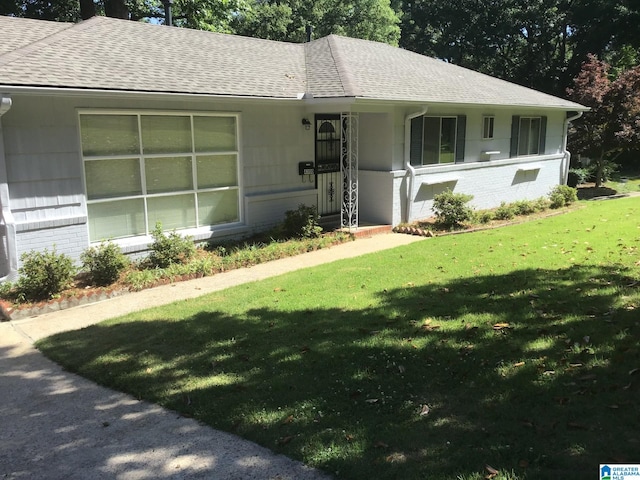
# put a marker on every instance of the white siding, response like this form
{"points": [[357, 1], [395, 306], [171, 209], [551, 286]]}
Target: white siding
{"points": [[44, 164]]}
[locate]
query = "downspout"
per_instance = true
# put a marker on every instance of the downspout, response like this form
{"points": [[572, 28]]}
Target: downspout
{"points": [[6, 217], [407, 159], [566, 158]]}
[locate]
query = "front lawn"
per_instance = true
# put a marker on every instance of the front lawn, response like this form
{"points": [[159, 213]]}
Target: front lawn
{"points": [[514, 349]]}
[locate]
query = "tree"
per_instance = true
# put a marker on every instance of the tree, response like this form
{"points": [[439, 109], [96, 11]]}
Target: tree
{"points": [[287, 20], [612, 126], [537, 43]]}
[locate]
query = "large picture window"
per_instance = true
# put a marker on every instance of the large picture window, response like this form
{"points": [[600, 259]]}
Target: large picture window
{"points": [[142, 168], [437, 140]]}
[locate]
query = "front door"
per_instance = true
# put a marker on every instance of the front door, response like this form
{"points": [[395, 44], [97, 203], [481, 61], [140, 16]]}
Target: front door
{"points": [[328, 176]]}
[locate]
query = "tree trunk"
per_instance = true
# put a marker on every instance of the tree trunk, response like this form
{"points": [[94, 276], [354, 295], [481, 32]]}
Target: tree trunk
{"points": [[600, 171], [116, 9], [87, 9]]}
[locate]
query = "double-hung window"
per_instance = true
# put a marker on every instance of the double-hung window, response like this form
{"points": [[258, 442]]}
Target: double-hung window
{"points": [[528, 135], [142, 168], [436, 140]]}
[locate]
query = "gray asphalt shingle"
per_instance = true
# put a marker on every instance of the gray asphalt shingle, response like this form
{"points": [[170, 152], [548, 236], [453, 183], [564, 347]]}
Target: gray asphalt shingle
{"points": [[109, 54]]}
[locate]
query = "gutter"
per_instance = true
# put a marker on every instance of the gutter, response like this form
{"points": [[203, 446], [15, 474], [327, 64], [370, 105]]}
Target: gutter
{"points": [[6, 217], [566, 160], [407, 159]]}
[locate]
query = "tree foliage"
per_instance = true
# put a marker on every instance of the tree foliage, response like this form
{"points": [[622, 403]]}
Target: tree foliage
{"points": [[287, 20], [538, 43], [613, 123]]}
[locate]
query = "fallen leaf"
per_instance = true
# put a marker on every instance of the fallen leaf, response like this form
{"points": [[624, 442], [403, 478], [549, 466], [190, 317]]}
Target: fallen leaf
{"points": [[371, 400], [349, 438], [305, 349], [380, 444], [518, 364], [278, 289], [424, 410], [634, 371], [500, 326], [492, 471], [285, 440], [527, 423], [287, 420]]}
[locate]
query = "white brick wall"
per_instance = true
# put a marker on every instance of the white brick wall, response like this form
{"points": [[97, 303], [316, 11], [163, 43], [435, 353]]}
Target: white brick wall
{"points": [[71, 240], [490, 183]]}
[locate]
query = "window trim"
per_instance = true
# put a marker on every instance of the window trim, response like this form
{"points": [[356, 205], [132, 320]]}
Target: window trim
{"points": [[417, 140], [491, 119], [140, 157], [516, 121]]}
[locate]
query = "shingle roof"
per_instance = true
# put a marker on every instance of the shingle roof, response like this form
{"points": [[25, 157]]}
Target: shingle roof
{"points": [[109, 54]]}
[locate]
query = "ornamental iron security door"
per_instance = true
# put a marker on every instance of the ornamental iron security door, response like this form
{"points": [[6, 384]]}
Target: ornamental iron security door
{"points": [[336, 144]]}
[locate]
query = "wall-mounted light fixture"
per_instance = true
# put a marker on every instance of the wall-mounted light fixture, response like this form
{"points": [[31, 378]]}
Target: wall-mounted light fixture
{"points": [[306, 123]]}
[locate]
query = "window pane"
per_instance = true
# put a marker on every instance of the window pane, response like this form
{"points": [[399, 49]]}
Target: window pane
{"points": [[217, 171], [431, 140], [214, 134], [168, 174], [218, 207], [109, 135], [122, 218], [534, 136], [487, 129], [175, 211], [166, 134], [448, 141], [113, 178], [523, 142]]}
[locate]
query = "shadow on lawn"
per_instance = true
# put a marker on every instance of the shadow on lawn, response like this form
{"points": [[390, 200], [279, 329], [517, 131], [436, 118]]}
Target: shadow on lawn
{"points": [[550, 394]]}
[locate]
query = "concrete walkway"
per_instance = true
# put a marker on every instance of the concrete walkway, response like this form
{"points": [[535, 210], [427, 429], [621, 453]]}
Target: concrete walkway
{"points": [[56, 425]]}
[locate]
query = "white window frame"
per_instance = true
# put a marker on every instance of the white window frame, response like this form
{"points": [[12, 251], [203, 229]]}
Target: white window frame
{"points": [[537, 140], [140, 156], [488, 127]]}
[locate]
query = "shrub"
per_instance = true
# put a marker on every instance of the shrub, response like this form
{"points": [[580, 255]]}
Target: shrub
{"points": [[104, 263], [169, 249], [577, 176], [562, 195], [302, 222], [43, 275], [506, 211], [484, 216], [524, 207], [451, 209], [541, 204]]}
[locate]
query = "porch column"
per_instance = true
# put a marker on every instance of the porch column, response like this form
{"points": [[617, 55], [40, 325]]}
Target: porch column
{"points": [[349, 168]]}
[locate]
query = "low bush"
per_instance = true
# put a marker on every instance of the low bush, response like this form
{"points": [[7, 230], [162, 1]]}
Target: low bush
{"points": [[541, 204], [562, 195], [43, 275], [484, 216], [506, 211], [451, 209], [578, 176], [169, 249], [302, 222], [104, 263], [524, 207]]}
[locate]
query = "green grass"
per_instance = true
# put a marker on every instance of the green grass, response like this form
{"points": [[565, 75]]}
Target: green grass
{"points": [[523, 342], [624, 184]]}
